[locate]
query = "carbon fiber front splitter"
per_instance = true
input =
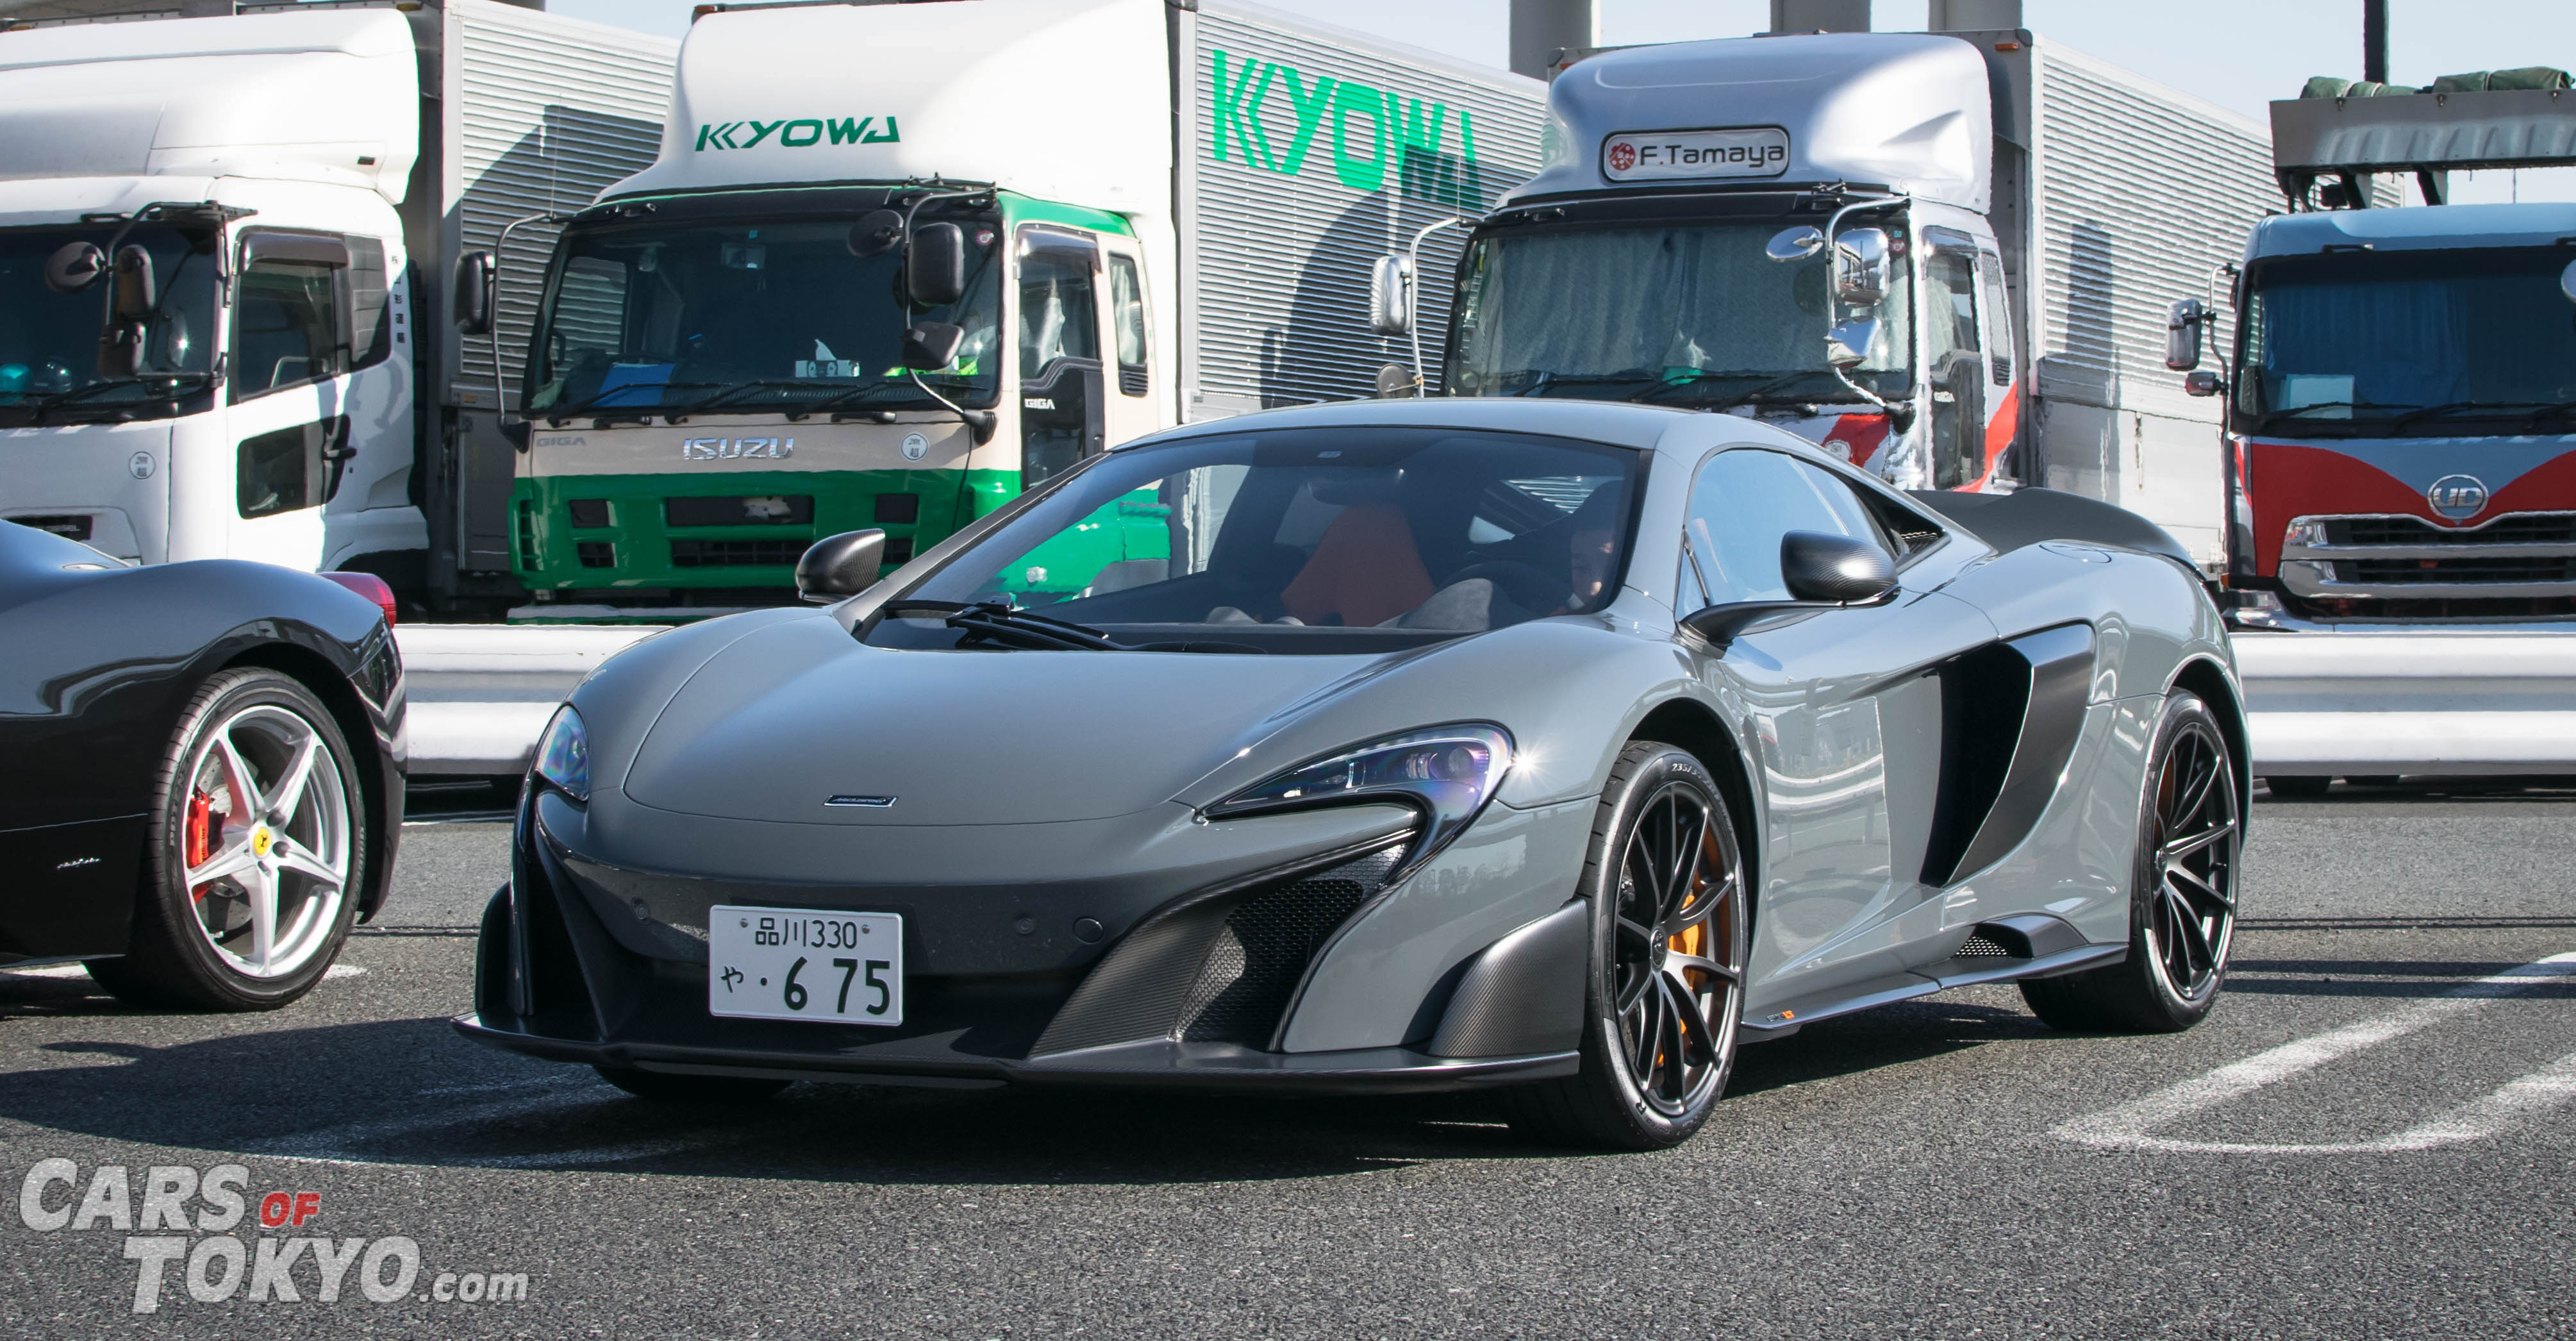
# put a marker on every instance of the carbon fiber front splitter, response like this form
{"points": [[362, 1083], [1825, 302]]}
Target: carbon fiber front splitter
{"points": [[1157, 1063]]}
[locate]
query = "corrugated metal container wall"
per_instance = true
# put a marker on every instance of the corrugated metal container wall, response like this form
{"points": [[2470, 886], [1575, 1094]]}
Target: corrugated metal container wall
{"points": [[1309, 152], [2141, 196], [543, 113]]}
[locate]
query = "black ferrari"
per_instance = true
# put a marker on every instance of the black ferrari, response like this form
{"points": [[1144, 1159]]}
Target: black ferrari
{"points": [[205, 780]]}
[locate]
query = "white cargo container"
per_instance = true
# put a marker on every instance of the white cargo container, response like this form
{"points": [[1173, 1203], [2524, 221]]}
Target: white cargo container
{"points": [[2035, 209], [1164, 212], [299, 180]]}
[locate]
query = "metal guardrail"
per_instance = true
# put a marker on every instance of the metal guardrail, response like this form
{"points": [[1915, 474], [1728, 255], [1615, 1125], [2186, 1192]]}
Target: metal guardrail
{"points": [[2347, 701], [480, 693], [2321, 701]]}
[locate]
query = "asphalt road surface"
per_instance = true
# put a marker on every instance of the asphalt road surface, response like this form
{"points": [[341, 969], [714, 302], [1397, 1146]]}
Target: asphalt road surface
{"points": [[2372, 1137]]}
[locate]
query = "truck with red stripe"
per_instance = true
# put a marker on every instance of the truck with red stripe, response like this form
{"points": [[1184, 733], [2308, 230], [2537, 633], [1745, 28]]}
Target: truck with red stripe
{"points": [[2400, 439], [1944, 256]]}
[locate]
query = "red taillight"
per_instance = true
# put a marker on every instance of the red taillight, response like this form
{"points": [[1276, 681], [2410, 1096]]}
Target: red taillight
{"points": [[370, 586]]}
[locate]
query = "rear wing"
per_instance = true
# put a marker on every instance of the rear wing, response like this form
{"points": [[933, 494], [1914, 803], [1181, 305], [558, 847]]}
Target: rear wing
{"points": [[2346, 140]]}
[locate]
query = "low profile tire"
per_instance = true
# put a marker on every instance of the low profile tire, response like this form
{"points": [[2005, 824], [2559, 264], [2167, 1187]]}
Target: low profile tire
{"points": [[1665, 983], [665, 1087], [2301, 788], [256, 839], [2182, 911]]}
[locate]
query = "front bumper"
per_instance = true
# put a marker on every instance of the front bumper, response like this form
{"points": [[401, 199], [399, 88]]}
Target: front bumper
{"points": [[583, 962]]}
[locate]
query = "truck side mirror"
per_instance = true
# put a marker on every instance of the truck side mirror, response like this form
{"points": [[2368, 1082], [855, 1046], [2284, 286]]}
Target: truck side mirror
{"points": [[1847, 346], [934, 272], [138, 291], [840, 565], [931, 345], [1861, 267], [1391, 295], [1795, 244], [2203, 383], [74, 266], [2182, 333], [876, 233], [475, 280]]}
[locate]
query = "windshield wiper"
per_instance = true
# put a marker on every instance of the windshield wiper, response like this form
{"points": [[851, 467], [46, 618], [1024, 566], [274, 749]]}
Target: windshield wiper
{"points": [[1541, 380], [835, 402], [2466, 407], [2298, 411], [598, 406], [1013, 626], [42, 401], [1700, 375]]}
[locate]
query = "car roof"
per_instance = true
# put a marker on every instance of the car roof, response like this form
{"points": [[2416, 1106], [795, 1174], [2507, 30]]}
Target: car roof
{"points": [[1645, 427]]}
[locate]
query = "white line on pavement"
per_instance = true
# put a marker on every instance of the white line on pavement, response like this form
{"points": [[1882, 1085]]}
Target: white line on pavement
{"points": [[76, 971], [2129, 1125]]}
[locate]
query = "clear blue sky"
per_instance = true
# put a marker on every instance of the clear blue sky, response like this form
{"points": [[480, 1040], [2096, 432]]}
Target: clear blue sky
{"points": [[2239, 54]]}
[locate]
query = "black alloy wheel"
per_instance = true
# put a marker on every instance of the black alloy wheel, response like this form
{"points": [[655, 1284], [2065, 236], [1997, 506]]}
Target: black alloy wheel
{"points": [[1667, 968], [2183, 910]]}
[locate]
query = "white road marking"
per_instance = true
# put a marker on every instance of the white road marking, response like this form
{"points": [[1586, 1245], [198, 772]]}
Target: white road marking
{"points": [[2129, 1126], [76, 971]]}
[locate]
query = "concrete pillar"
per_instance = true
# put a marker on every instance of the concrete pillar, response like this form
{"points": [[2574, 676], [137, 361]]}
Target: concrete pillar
{"points": [[1974, 16], [1542, 28], [1807, 16]]}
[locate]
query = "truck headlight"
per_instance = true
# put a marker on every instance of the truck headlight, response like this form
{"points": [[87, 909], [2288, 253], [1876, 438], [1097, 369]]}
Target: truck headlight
{"points": [[1447, 773], [563, 755]]}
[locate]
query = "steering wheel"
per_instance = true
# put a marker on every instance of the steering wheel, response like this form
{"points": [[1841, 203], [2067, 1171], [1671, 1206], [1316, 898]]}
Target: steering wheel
{"points": [[1527, 585]]}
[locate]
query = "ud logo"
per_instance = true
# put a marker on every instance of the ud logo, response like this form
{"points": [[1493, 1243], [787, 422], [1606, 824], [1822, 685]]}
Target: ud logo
{"points": [[2458, 497]]}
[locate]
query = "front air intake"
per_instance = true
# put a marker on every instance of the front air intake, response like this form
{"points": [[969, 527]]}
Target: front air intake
{"points": [[1261, 951]]}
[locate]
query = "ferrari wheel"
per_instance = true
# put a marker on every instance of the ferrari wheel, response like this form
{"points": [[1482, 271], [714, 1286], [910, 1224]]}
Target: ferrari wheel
{"points": [[2182, 916], [1666, 979], [679, 1089], [257, 839]]}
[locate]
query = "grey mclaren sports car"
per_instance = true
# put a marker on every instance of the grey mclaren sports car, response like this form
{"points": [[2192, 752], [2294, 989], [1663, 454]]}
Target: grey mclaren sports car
{"points": [[1560, 748]]}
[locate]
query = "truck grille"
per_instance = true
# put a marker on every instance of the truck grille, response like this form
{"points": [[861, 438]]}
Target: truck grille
{"points": [[2528, 528], [757, 510], [736, 553], [2439, 572]]}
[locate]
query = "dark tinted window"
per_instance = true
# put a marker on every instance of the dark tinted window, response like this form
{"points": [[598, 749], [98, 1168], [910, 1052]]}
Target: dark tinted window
{"points": [[286, 327]]}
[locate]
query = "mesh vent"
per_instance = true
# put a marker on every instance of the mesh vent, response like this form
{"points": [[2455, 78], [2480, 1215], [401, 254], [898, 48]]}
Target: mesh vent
{"points": [[1262, 950], [736, 553], [1981, 946]]}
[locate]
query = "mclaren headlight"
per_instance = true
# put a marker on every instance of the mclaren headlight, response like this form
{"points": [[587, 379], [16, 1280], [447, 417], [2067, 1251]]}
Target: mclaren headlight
{"points": [[1447, 773], [563, 755]]}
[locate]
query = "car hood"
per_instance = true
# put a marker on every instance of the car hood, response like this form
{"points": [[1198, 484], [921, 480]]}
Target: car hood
{"points": [[797, 712]]}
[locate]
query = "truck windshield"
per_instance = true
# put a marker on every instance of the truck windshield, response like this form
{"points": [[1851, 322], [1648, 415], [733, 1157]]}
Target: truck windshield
{"points": [[2436, 343], [1299, 540], [1693, 314], [744, 317], [49, 339]]}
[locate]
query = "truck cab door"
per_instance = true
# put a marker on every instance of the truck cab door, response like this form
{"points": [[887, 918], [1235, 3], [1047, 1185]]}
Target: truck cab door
{"points": [[1954, 361], [1130, 407], [287, 373], [1061, 407]]}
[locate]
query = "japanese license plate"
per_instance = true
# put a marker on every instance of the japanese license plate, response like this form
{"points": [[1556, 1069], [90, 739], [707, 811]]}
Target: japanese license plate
{"points": [[805, 964]]}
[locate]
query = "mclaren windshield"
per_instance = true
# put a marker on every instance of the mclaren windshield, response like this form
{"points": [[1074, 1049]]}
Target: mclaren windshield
{"points": [[49, 331], [2478, 342], [650, 318], [1300, 540], [1693, 314]]}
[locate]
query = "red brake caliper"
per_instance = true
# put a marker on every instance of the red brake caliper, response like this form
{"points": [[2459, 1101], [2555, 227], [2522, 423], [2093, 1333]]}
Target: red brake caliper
{"points": [[203, 825]]}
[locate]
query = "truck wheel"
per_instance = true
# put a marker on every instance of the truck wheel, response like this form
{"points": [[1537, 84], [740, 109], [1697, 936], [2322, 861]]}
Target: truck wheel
{"points": [[1666, 978], [667, 1087], [255, 836], [2182, 905], [2298, 788]]}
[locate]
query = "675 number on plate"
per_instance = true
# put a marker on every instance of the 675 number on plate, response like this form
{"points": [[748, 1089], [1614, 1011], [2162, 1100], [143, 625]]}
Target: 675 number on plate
{"points": [[801, 964]]}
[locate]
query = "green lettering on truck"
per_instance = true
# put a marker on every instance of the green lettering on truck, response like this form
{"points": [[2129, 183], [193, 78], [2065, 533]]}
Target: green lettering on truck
{"points": [[1356, 172], [1412, 130]]}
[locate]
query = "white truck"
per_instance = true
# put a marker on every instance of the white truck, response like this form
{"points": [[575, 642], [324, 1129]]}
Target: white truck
{"points": [[1032, 230], [226, 246], [1946, 256]]}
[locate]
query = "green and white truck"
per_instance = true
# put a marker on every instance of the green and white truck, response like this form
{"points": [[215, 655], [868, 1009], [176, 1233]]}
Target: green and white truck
{"points": [[897, 263]]}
